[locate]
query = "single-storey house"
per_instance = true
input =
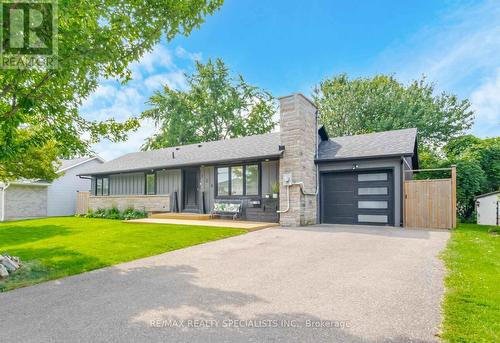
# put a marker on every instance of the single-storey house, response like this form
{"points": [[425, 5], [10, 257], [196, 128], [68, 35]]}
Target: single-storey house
{"points": [[488, 208], [25, 199], [296, 176]]}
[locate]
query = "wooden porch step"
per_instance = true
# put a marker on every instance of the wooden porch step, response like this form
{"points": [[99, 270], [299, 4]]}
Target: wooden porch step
{"points": [[184, 216]]}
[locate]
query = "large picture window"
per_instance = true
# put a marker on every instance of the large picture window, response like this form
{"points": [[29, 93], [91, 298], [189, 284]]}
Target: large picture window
{"points": [[242, 180], [102, 186]]}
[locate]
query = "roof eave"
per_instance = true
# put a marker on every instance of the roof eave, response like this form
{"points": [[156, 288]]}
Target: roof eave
{"points": [[486, 195], [356, 158], [183, 165], [99, 158]]}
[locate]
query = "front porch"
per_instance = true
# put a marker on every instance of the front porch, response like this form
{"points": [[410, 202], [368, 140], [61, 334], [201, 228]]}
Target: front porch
{"points": [[191, 190]]}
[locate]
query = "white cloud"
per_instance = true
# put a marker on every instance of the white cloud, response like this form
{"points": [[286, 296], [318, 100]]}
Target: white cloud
{"points": [[175, 79], [464, 42], [183, 53], [114, 100], [160, 57], [458, 54], [109, 151], [486, 103]]}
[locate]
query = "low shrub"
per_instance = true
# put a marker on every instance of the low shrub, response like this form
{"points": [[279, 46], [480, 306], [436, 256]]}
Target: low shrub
{"points": [[131, 213], [114, 213]]}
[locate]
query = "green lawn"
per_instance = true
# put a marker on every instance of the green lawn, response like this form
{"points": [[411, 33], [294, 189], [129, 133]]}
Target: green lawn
{"points": [[472, 299], [57, 247]]}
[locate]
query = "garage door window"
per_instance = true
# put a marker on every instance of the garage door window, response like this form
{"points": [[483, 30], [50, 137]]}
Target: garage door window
{"points": [[372, 204], [372, 218], [372, 191], [372, 177]]}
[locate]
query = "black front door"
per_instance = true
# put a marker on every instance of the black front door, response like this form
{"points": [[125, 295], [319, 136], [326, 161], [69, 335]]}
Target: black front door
{"points": [[190, 190]]}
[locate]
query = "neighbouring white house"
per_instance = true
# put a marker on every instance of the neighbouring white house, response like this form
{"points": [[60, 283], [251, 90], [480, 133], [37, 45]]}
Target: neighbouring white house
{"points": [[26, 199], [487, 208]]}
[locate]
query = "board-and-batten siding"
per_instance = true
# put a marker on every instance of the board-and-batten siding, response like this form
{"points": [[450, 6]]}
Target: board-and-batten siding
{"points": [[207, 180], [168, 182], [127, 184]]}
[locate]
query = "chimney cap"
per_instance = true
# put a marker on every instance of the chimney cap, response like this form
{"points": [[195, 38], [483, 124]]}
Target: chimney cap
{"points": [[299, 95]]}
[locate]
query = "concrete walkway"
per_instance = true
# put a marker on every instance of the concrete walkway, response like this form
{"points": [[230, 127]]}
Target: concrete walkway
{"points": [[314, 284], [238, 224]]}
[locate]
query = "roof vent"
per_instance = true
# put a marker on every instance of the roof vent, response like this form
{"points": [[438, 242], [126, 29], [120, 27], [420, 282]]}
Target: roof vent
{"points": [[199, 145], [177, 149]]}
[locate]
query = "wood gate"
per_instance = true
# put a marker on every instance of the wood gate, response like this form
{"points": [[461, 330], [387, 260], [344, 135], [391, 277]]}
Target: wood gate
{"points": [[430, 203], [82, 202]]}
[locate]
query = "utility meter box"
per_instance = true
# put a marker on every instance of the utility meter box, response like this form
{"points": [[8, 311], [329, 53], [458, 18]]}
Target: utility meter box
{"points": [[287, 179]]}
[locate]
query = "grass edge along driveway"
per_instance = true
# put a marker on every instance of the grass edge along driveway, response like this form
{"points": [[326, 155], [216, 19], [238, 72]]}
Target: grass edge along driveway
{"points": [[471, 303], [52, 248]]}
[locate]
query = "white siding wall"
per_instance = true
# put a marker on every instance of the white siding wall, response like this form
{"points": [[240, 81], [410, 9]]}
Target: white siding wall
{"points": [[61, 197]]}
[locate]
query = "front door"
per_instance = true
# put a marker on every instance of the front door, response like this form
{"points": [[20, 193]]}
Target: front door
{"points": [[190, 189]]}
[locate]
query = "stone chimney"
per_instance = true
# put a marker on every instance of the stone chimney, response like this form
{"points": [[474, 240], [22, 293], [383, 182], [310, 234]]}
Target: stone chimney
{"points": [[299, 136]]}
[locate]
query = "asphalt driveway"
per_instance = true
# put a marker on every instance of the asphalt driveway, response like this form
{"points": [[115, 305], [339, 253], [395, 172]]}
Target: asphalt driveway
{"points": [[315, 284]]}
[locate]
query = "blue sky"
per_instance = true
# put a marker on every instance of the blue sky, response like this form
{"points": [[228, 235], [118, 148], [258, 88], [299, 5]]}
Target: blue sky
{"points": [[289, 46]]}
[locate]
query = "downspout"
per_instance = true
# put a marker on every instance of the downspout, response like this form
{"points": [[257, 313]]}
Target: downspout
{"points": [[3, 202], [287, 201]]}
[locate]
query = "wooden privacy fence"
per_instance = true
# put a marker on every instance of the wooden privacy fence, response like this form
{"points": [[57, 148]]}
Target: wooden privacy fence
{"points": [[431, 203], [82, 202]]}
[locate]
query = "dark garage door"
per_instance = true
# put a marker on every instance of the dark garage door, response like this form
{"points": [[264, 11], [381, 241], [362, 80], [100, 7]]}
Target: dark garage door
{"points": [[361, 197]]}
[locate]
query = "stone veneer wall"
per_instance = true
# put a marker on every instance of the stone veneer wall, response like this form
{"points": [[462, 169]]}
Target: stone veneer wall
{"points": [[298, 133], [139, 202]]}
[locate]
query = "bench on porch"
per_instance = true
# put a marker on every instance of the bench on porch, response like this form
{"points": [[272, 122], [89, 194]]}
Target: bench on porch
{"points": [[231, 208]]}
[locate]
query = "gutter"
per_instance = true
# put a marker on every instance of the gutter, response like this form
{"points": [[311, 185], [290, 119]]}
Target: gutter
{"points": [[322, 160]]}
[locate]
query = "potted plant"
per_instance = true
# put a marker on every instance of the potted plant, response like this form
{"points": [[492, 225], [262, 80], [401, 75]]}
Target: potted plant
{"points": [[276, 190]]}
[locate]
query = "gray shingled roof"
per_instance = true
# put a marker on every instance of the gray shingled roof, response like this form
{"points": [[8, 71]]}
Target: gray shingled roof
{"points": [[65, 164], [244, 148], [388, 143]]}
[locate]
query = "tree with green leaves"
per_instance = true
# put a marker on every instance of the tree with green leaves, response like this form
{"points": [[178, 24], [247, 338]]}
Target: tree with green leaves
{"points": [[39, 118], [363, 105], [478, 168], [215, 106]]}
